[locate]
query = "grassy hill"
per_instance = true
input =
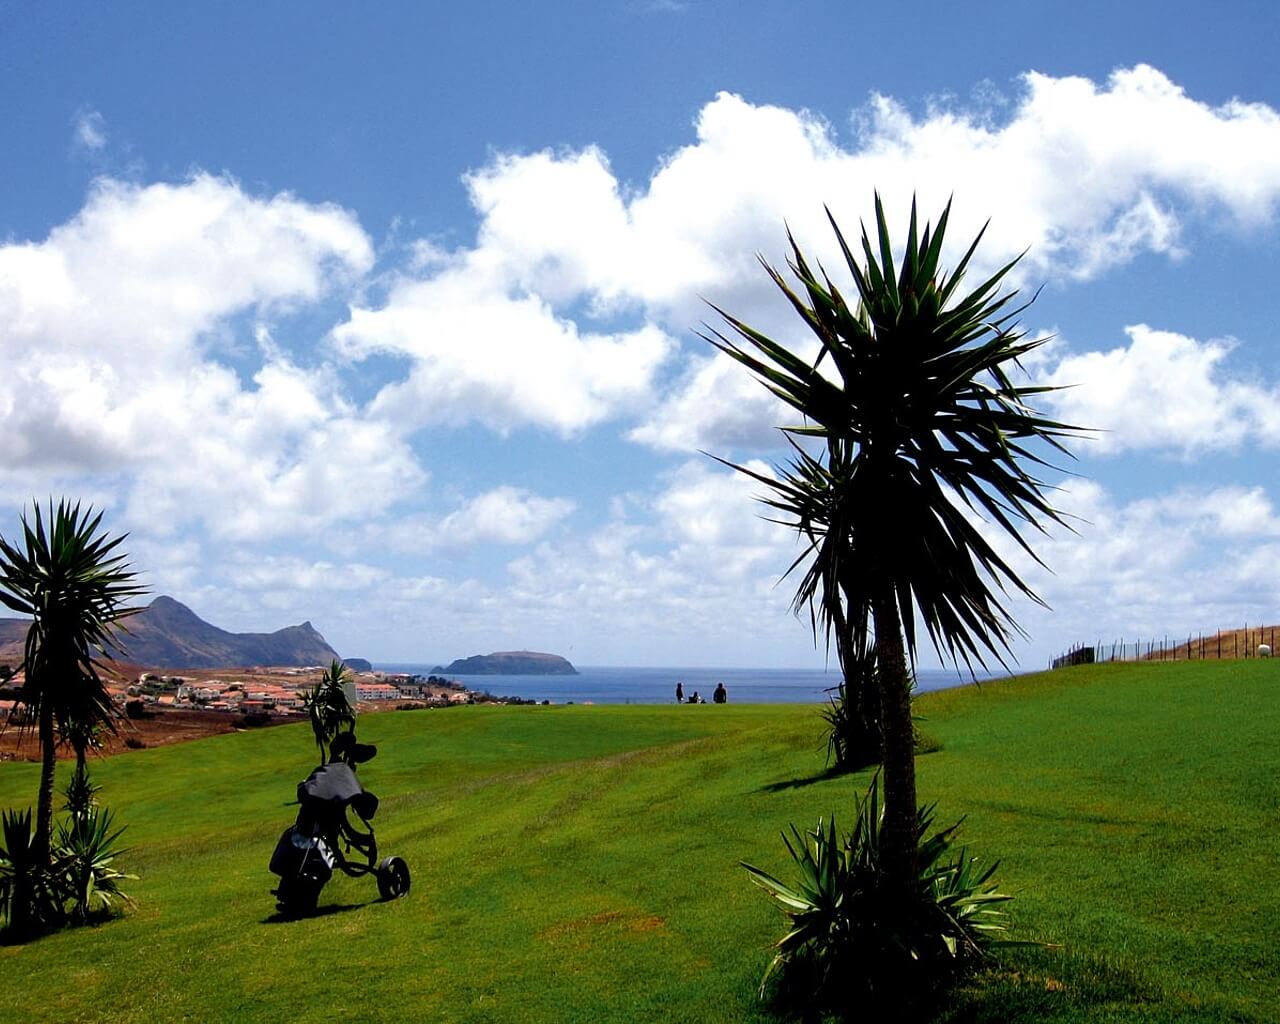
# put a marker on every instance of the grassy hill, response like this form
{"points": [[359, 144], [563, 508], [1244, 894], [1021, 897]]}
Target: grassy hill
{"points": [[580, 863]]}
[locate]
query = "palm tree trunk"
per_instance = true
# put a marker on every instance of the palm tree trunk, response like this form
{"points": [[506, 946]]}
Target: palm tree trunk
{"points": [[898, 839], [43, 839]]}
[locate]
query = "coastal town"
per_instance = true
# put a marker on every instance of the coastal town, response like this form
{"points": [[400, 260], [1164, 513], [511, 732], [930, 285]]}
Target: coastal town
{"points": [[159, 708]]}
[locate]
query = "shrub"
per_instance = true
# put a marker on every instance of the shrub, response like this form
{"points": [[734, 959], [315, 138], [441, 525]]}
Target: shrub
{"points": [[80, 880], [31, 898], [85, 863], [81, 793], [850, 946], [854, 732], [853, 728]]}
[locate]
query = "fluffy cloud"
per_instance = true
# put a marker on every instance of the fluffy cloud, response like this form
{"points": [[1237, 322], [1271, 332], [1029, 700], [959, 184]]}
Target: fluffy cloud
{"points": [[480, 353], [1164, 390], [283, 573], [1086, 175], [110, 330], [508, 333], [504, 515], [1189, 560]]}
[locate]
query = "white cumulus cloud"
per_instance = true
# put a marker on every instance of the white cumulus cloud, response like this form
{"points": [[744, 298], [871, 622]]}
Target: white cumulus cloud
{"points": [[1164, 390], [504, 515], [110, 330]]}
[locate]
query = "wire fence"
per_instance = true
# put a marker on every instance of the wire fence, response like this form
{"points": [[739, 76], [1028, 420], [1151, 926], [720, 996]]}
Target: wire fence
{"points": [[1246, 642]]}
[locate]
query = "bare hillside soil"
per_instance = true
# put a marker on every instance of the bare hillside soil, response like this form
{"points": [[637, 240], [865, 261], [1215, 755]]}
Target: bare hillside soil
{"points": [[1226, 643]]}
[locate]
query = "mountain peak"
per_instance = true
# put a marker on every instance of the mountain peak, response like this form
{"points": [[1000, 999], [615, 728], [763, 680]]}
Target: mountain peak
{"points": [[168, 634]]}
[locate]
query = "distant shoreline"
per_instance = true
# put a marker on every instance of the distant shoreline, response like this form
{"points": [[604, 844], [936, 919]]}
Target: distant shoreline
{"points": [[656, 685]]}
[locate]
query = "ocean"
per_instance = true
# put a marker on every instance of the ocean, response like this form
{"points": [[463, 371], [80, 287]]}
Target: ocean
{"points": [[614, 685]]}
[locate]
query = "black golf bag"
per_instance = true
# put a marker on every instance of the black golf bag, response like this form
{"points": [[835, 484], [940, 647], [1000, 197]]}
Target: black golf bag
{"points": [[323, 837]]}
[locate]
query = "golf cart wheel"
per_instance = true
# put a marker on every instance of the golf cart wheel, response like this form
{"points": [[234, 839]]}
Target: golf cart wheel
{"points": [[393, 878]]}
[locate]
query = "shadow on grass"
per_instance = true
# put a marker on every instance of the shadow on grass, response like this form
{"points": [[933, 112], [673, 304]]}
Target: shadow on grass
{"points": [[325, 911], [101, 917], [808, 780], [1052, 984], [1034, 986]]}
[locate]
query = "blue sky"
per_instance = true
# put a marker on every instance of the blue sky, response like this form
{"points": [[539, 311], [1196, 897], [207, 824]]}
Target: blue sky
{"points": [[383, 317]]}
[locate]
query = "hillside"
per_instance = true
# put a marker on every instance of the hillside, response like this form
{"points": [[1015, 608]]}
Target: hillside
{"points": [[581, 863], [512, 663], [169, 635]]}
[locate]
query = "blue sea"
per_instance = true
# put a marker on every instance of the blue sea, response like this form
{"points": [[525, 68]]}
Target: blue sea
{"points": [[613, 685]]}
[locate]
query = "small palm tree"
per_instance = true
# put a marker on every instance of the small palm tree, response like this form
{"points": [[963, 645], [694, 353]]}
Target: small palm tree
{"points": [[329, 708], [74, 583], [912, 429]]}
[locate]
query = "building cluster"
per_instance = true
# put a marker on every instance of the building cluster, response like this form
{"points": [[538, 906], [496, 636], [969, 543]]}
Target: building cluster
{"points": [[279, 692], [271, 696]]}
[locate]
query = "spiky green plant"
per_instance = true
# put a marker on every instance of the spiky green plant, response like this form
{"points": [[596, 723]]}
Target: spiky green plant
{"points": [[31, 890], [852, 719], [329, 708], [849, 945], [74, 582], [911, 428], [86, 855], [80, 793]]}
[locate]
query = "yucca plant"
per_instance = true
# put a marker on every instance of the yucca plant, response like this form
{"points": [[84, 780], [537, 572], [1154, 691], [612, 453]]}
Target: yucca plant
{"points": [[911, 427], [850, 944], [85, 860], [75, 583], [852, 718], [81, 793], [31, 889]]}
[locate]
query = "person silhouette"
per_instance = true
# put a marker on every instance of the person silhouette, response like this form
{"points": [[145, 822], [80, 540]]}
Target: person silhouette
{"points": [[721, 695], [679, 693]]}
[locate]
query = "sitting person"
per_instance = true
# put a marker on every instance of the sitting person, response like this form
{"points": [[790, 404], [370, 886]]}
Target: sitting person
{"points": [[721, 695]]}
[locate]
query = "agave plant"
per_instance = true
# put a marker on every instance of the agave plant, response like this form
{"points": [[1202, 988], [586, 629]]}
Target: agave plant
{"points": [[31, 894], [85, 861], [848, 942]]}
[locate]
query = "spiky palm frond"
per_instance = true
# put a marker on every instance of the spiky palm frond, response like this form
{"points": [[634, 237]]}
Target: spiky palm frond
{"points": [[923, 432], [329, 708], [74, 582]]}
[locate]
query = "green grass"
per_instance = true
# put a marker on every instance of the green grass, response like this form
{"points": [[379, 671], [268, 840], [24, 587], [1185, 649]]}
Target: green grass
{"points": [[580, 863]]}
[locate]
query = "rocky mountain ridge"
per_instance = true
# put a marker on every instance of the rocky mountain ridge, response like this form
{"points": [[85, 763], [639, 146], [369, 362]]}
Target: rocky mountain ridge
{"points": [[167, 634]]}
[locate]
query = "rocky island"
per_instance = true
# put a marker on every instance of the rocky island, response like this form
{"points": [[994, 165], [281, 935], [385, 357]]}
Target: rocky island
{"points": [[512, 663]]}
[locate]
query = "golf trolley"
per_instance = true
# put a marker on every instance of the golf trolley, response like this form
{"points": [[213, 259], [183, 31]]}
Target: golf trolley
{"points": [[308, 851]]}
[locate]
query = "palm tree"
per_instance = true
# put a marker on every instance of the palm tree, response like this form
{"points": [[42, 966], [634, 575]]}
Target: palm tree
{"points": [[73, 582], [912, 430], [329, 708]]}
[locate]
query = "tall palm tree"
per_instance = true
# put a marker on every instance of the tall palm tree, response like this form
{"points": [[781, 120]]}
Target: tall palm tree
{"points": [[912, 430], [73, 582]]}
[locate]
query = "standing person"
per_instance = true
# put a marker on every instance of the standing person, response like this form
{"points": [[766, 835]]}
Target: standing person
{"points": [[679, 692], [721, 695]]}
